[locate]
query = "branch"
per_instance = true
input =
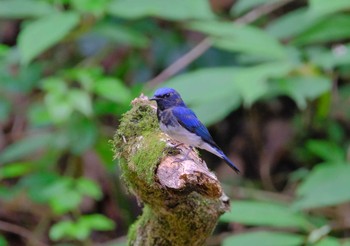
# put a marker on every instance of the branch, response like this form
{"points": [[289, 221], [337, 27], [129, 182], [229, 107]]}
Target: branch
{"points": [[182, 199], [181, 63], [15, 229], [206, 43], [260, 11]]}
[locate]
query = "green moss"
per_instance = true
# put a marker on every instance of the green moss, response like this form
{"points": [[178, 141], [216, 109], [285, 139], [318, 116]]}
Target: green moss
{"points": [[136, 143], [176, 224], [126, 175], [139, 224], [140, 119], [147, 159], [132, 232]]}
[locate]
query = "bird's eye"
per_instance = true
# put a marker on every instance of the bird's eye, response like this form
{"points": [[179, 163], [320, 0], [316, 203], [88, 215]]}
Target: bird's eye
{"points": [[167, 95]]}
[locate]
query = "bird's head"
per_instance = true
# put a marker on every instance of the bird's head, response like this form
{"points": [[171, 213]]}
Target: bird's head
{"points": [[167, 98]]}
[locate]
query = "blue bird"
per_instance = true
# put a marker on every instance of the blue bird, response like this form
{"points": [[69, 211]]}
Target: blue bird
{"points": [[181, 123]]}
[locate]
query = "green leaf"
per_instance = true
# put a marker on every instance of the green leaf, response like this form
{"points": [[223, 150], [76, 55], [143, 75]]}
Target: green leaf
{"points": [[89, 188], [330, 58], [62, 101], [262, 238], [36, 183], [113, 89], [61, 229], [217, 109], [327, 185], [38, 115], [62, 196], [232, 85], [59, 186], [4, 50], [25, 147], [16, 169], [90, 6], [321, 8], [59, 106], [81, 134], [65, 201], [97, 222], [290, 24], [80, 231], [311, 22], [301, 89], [254, 213], [328, 241], [40, 35], [3, 241], [86, 77], [104, 151], [330, 29], [54, 85], [241, 38], [69, 229], [81, 101], [328, 151], [16, 9], [193, 85], [242, 6], [121, 34], [166, 9], [252, 82]]}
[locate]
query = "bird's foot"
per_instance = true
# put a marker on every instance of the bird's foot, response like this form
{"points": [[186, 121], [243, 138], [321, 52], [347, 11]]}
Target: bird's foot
{"points": [[185, 158], [177, 146], [181, 159], [174, 149]]}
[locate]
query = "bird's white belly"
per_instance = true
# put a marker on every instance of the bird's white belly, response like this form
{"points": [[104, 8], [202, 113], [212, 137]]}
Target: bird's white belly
{"points": [[182, 135]]}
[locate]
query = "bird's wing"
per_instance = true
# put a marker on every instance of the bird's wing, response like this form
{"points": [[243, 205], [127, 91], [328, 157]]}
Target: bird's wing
{"points": [[187, 118]]}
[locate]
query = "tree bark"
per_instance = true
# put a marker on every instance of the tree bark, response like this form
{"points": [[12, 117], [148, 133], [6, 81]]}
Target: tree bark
{"points": [[182, 198]]}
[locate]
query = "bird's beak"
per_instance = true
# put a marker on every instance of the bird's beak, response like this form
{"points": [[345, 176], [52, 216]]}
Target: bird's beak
{"points": [[153, 99]]}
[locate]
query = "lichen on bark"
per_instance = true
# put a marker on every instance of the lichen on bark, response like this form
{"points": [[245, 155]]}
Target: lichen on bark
{"points": [[182, 199]]}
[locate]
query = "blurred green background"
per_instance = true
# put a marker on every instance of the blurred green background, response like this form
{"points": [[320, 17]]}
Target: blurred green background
{"points": [[271, 80]]}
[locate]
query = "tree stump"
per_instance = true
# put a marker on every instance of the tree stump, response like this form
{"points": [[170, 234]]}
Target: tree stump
{"points": [[182, 199]]}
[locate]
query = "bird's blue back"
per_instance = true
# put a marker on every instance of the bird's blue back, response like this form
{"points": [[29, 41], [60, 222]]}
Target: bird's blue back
{"points": [[187, 118]]}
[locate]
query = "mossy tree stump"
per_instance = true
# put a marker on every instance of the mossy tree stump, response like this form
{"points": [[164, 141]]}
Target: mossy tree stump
{"points": [[182, 200]]}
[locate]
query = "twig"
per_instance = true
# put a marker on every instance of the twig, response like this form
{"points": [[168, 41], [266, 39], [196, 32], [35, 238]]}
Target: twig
{"points": [[181, 63], [260, 11], [5, 226], [206, 43]]}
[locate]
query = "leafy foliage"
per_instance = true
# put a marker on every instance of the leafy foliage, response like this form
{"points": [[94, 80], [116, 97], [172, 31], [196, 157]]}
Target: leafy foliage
{"points": [[82, 228], [70, 68], [33, 39], [265, 238], [266, 214]]}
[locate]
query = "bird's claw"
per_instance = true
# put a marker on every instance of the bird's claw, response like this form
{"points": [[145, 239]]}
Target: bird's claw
{"points": [[178, 160]]}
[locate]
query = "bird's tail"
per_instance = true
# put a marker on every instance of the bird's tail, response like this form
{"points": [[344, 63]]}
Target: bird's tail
{"points": [[218, 152], [229, 162]]}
